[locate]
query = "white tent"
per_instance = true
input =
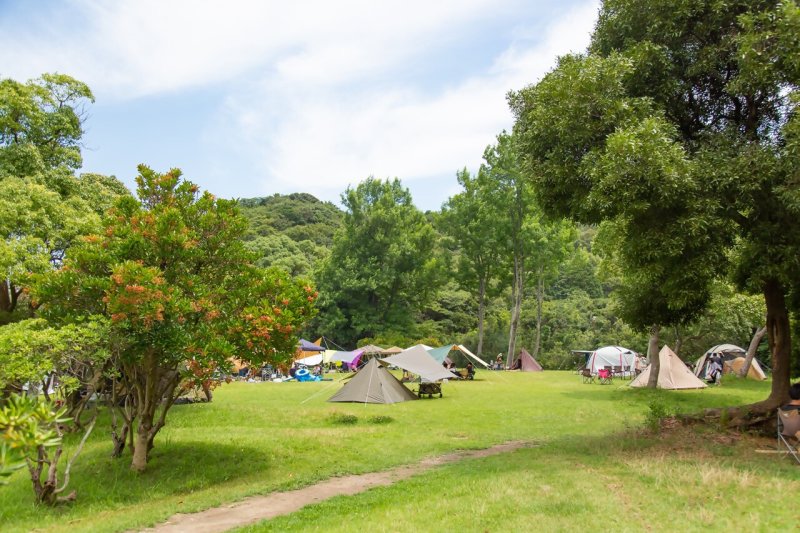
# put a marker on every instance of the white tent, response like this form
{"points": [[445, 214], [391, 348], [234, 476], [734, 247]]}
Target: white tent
{"points": [[673, 374], [727, 352], [611, 356]]}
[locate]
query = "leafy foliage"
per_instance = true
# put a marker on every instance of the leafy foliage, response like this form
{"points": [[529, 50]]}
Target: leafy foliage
{"points": [[382, 269], [172, 275], [31, 428], [676, 129]]}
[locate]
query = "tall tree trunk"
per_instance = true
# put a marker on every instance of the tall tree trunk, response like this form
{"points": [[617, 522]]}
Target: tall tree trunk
{"points": [[780, 343], [751, 351], [141, 442], [8, 296], [156, 392], [539, 301], [652, 356], [678, 341], [516, 294], [481, 312]]}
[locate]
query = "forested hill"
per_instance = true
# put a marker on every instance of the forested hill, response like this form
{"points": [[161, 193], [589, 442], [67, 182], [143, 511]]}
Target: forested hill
{"points": [[299, 216], [293, 231]]}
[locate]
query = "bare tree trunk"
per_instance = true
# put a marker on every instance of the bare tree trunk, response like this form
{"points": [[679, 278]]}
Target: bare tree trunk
{"points": [[481, 312], [780, 344], [539, 301], [8, 296], [516, 294], [678, 341], [155, 389], [751, 350], [652, 356]]}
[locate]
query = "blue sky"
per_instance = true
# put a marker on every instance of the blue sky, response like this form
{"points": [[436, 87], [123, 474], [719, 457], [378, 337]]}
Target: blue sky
{"points": [[253, 98]]}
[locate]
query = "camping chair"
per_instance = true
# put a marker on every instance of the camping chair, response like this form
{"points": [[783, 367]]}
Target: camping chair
{"points": [[606, 376], [788, 426], [587, 375], [617, 371]]}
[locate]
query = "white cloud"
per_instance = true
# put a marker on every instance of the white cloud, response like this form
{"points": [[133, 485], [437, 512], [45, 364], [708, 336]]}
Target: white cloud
{"points": [[318, 95], [135, 48], [326, 138]]}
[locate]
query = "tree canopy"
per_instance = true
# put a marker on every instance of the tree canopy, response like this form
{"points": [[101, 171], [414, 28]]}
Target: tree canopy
{"points": [[383, 266], [172, 275], [676, 128]]}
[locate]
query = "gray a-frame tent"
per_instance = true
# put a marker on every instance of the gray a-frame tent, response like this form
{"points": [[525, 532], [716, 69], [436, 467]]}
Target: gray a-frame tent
{"points": [[373, 384]]}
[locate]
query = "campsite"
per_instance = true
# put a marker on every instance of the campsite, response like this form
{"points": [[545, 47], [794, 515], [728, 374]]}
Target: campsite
{"points": [[256, 438], [438, 266]]}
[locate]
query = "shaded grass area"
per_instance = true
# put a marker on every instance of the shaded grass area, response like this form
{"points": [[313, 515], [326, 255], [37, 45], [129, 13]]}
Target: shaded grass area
{"points": [[257, 438]]}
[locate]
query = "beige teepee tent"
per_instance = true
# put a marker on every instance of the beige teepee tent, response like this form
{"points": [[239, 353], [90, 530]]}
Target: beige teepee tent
{"points": [[673, 374], [735, 366]]}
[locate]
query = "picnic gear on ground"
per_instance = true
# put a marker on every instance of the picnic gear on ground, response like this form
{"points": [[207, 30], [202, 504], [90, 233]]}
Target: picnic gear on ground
{"points": [[788, 427]]}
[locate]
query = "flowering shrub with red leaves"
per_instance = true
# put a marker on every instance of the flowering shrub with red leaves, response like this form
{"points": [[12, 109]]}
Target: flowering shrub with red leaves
{"points": [[181, 291]]}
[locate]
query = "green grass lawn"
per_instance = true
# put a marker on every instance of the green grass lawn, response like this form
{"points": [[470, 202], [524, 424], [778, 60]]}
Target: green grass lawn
{"points": [[591, 465]]}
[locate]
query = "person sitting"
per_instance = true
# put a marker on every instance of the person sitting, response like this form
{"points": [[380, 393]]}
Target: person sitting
{"points": [[794, 402], [470, 371], [791, 427]]}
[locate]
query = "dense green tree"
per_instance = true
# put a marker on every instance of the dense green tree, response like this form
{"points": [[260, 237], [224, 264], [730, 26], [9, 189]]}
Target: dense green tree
{"points": [[469, 219], [43, 206], [299, 216], [174, 278], [681, 114], [529, 245], [279, 250], [383, 267], [41, 124]]}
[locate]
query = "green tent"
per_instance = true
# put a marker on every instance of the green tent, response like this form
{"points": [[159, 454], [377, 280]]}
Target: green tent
{"points": [[373, 384]]}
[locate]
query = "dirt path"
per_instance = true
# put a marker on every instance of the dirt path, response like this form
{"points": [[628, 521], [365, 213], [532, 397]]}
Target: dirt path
{"points": [[256, 508]]}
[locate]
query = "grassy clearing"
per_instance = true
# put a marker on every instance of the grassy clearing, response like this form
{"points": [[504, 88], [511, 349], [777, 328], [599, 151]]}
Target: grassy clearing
{"points": [[258, 438]]}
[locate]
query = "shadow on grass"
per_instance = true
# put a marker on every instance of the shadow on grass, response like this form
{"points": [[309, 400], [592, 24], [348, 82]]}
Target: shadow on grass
{"points": [[174, 469]]}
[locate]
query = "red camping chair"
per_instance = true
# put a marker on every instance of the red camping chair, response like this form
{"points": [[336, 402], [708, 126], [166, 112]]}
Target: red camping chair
{"points": [[605, 376]]}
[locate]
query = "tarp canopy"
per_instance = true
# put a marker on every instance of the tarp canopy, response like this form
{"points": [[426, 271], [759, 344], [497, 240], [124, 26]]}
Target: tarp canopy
{"points": [[351, 358], [391, 351], [373, 384], [308, 346], [672, 375], [526, 362], [424, 346], [311, 360], [418, 361], [371, 349], [611, 356], [443, 353]]}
